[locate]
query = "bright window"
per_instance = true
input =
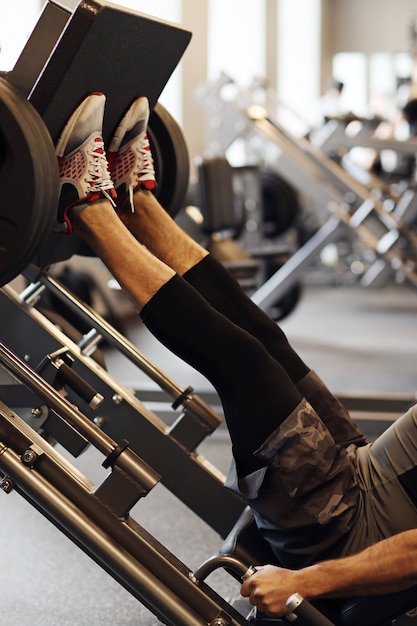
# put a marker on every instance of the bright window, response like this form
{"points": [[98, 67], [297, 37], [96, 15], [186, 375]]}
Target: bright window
{"points": [[370, 82], [236, 39], [351, 69], [17, 20]]}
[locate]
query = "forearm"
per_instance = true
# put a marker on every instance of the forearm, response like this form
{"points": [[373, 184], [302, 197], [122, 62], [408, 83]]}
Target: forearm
{"points": [[390, 565]]}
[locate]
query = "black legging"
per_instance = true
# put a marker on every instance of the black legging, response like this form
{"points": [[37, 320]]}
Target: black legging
{"points": [[224, 293], [255, 390]]}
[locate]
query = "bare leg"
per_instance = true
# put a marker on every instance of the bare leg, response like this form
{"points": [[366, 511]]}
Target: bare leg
{"points": [[152, 225], [139, 272]]}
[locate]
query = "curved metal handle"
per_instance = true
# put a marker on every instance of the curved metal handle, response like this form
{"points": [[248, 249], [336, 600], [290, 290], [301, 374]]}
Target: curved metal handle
{"points": [[222, 560]]}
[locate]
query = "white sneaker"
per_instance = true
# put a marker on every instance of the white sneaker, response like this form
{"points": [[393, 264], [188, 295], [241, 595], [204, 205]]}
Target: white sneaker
{"points": [[130, 158], [83, 167]]}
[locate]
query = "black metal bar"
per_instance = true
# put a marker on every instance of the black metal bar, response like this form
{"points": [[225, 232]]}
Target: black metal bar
{"points": [[55, 401], [120, 546], [185, 474], [193, 404]]}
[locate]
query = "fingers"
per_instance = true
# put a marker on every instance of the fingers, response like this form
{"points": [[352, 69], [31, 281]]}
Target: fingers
{"points": [[252, 589], [250, 582], [264, 591]]}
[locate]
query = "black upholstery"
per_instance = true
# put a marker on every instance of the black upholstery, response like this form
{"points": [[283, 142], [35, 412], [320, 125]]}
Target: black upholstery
{"points": [[223, 220], [218, 202], [378, 610], [102, 47]]}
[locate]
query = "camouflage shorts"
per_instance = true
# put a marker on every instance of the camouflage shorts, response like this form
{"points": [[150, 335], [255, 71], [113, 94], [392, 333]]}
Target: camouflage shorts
{"points": [[306, 499], [315, 500]]}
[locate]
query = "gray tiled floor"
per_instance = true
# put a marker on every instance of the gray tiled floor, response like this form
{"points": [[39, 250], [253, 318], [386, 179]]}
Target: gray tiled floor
{"points": [[360, 341]]}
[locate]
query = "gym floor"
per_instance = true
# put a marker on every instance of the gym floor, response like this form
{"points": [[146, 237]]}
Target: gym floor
{"points": [[360, 341]]}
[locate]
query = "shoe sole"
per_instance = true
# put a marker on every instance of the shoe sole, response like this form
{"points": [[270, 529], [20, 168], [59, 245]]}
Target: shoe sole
{"points": [[74, 120]]}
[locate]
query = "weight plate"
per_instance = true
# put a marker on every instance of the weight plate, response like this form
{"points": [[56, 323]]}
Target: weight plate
{"points": [[172, 165], [28, 179]]}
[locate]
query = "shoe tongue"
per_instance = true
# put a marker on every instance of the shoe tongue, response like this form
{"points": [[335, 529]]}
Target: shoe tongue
{"points": [[100, 145], [111, 159]]}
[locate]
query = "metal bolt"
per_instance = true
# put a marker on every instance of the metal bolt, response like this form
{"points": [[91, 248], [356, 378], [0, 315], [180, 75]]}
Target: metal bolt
{"points": [[350, 197], [99, 421], [36, 412], [251, 226], [117, 399], [6, 485], [29, 457], [219, 621], [250, 205]]}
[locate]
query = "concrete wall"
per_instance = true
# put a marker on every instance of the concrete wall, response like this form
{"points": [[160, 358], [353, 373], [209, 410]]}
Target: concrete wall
{"points": [[194, 72], [371, 25]]}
